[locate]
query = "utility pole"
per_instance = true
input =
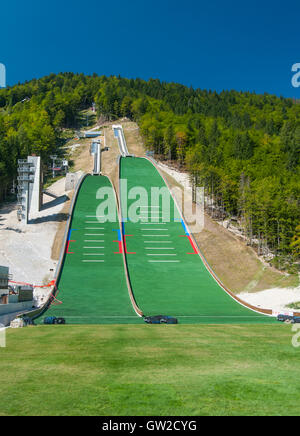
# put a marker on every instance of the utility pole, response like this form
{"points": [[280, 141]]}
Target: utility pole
{"points": [[54, 157]]}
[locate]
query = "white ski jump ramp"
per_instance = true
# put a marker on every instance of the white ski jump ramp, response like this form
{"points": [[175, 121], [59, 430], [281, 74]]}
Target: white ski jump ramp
{"points": [[119, 134]]}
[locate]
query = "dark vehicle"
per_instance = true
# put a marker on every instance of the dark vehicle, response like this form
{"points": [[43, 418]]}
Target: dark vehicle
{"points": [[54, 320], [60, 321], [288, 319], [160, 319], [28, 321], [284, 318]]}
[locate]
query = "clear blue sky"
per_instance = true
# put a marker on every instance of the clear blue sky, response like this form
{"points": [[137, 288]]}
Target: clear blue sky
{"points": [[243, 45]]}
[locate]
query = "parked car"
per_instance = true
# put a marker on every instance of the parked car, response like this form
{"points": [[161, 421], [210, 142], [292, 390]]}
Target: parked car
{"points": [[288, 319], [160, 319], [54, 320]]}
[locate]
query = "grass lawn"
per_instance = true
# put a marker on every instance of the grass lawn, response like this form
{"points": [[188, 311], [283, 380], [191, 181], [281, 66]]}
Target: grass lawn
{"points": [[150, 370]]}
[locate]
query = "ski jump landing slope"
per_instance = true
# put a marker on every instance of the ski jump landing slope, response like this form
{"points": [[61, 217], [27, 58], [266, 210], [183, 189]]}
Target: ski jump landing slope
{"points": [[92, 284], [168, 276]]}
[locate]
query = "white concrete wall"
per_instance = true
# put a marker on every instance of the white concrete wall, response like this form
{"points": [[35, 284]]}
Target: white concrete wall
{"points": [[35, 195], [18, 307]]}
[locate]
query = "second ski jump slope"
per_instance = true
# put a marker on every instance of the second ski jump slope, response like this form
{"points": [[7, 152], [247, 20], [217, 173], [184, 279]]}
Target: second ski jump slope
{"points": [[167, 274]]}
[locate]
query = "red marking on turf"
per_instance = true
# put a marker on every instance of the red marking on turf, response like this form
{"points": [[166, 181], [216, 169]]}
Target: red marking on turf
{"points": [[120, 248], [68, 245], [191, 242], [193, 245]]}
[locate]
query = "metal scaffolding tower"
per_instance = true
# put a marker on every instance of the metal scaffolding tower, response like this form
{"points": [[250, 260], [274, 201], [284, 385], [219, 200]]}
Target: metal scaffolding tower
{"points": [[25, 177]]}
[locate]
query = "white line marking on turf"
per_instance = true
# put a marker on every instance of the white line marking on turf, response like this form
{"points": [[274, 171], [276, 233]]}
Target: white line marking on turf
{"points": [[92, 240], [93, 222], [149, 215], [163, 261], [158, 236], [157, 242], [94, 234], [161, 254], [156, 230], [156, 224], [93, 254], [94, 228], [93, 247], [93, 260], [159, 248]]}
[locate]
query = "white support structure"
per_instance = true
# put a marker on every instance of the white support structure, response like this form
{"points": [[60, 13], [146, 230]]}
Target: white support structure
{"points": [[36, 188], [97, 164], [96, 151], [30, 187], [119, 134]]}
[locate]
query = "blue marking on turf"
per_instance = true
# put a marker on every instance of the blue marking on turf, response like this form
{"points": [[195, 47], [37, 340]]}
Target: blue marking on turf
{"points": [[70, 233], [119, 234], [123, 228], [185, 228]]}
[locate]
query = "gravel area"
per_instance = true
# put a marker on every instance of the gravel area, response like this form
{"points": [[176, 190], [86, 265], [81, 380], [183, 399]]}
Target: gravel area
{"points": [[26, 249]]}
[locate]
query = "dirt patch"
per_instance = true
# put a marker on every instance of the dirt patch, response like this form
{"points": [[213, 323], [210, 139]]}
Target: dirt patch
{"points": [[81, 157], [134, 140], [110, 157]]}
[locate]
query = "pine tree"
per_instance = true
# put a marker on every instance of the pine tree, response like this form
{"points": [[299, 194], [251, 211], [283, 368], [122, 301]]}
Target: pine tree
{"points": [[295, 244]]}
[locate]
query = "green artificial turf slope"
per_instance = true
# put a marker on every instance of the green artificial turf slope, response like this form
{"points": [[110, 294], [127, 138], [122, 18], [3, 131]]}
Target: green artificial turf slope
{"points": [[92, 286], [166, 278]]}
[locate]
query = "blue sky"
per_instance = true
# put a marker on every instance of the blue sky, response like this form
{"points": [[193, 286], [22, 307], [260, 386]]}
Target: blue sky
{"points": [[242, 45]]}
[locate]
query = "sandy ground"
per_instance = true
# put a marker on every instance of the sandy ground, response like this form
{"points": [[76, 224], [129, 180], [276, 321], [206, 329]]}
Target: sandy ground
{"points": [[26, 249], [276, 298], [181, 177]]}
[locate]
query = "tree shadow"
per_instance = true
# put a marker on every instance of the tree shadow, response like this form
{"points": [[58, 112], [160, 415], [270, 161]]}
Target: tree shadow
{"points": [[55, 202], [7, 208]]}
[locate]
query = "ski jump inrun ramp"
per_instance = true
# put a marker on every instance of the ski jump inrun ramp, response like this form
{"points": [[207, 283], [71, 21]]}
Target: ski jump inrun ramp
{"points": [[116, 272]]}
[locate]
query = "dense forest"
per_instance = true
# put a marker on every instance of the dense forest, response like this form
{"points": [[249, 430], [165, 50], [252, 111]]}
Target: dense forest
{"points": [[242, 147]]}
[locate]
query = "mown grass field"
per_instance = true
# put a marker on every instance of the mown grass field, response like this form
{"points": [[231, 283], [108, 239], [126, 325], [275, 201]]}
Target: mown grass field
{"points": [[150, 370]]}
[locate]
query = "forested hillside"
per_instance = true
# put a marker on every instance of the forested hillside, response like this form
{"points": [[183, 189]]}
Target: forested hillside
{"points": [[244, 148]]}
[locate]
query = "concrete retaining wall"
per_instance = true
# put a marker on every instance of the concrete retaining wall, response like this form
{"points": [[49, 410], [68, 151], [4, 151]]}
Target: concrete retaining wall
{"points": [[15, 307]]}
